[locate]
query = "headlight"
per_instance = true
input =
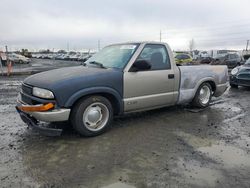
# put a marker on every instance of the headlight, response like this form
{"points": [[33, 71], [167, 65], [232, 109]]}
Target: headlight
{"points": [[42, 93], [235, 71]]}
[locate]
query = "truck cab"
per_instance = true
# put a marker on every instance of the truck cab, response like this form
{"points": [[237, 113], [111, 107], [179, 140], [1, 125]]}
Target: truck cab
{"points": [[155, 86]]}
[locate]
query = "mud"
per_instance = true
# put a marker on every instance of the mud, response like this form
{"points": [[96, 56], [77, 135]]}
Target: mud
{"points": [[170, 147]]}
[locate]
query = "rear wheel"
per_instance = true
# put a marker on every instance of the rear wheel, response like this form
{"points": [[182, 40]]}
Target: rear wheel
{"points": [[203, 96], [92, 116]]}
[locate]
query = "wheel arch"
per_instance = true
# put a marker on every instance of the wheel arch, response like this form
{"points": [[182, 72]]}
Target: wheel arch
{"points": [[212, 84], [211, 81], [112, 95]]}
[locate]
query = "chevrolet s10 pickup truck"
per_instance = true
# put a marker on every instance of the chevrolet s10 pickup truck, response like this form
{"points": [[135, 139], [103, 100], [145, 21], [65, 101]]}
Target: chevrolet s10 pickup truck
{"points": [[120, 79]]}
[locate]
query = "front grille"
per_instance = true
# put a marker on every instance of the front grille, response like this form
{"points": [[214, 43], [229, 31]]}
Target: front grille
{"points": [[26, 99], [26, 89], [244, 82], [25, 95], [245, 76]]}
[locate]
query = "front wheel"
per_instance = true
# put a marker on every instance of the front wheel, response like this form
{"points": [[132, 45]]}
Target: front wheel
{"points": [[92, 116], [203, 96]]}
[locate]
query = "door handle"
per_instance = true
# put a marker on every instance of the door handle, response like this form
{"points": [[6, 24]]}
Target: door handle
{"points": [[171, 76]]}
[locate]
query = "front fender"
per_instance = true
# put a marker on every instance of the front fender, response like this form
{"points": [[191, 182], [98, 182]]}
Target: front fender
{"points": [[94, 90]]}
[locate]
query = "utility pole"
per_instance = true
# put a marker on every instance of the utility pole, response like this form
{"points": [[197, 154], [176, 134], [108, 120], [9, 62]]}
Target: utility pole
{"points": [[247, 45], [160, 35], [6, 50]]}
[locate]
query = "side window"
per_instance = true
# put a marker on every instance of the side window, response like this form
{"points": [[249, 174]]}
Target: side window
{"points": [[185, 57], [157, 55]]}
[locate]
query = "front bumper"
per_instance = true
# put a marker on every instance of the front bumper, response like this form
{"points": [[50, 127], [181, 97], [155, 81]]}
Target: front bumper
{"points": [[56, 115], [34, 119], [239, 82], [33, 123]]}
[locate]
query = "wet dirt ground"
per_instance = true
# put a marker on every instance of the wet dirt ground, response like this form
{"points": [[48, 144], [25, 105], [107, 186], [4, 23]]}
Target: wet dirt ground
{"points": [[170, 147]]}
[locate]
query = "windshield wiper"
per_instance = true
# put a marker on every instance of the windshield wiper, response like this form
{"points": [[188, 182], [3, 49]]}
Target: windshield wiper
{"points": [[98, 64]]}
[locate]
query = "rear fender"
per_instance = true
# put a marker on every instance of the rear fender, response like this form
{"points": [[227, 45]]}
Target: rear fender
{"points": [[187, 95]]}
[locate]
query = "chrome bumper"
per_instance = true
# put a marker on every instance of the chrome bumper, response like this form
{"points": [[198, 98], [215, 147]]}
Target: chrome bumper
{"points": [[51, 116], [55, 115]]}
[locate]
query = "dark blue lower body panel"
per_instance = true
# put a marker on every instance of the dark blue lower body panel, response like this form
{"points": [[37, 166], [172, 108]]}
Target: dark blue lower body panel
{"points": [[34, 124]]}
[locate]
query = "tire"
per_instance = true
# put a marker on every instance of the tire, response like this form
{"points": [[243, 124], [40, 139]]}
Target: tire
{"points": [[92, 116], [233, 85], [203, 96]]}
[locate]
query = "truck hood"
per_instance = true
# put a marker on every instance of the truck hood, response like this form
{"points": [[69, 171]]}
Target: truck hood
{"points": [[49, 78], [65, 82], [244, 69]]}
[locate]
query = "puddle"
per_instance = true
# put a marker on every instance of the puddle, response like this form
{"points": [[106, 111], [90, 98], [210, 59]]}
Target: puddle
{"points": [[224, 104], [195, 174], [195, 141], [229, 156]]}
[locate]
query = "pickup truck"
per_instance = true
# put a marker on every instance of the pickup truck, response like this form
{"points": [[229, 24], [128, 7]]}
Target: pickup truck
{"points": [[120, 79]]}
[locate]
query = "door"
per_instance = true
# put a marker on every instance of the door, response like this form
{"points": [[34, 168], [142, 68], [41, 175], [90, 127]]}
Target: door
{"points": [[151, 88]]}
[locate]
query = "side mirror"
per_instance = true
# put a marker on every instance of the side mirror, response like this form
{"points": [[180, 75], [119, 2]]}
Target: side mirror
{"points": [[140, 65]]}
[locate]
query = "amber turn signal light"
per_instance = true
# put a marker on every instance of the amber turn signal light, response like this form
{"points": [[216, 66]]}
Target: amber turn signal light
{"points": [[36, 108]]}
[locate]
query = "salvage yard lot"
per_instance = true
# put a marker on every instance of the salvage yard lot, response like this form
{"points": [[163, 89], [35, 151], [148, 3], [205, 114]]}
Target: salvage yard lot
{"points": [[170, 147]]}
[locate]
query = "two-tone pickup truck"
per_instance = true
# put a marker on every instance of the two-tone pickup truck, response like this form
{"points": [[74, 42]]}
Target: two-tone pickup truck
{"points": [[120, 79]]}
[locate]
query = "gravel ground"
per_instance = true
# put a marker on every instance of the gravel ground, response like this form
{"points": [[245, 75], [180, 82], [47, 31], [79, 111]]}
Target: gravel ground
{"points": [[169, 147]]}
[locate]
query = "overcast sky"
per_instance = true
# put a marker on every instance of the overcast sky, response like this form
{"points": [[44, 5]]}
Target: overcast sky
{"points": [[79, 24]]}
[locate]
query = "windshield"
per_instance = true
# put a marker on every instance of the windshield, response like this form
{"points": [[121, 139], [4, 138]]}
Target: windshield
{"points": [[115, 56]]}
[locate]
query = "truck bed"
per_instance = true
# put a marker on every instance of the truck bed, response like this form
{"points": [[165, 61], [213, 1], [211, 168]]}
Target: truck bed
{"points": [[191, 77]]}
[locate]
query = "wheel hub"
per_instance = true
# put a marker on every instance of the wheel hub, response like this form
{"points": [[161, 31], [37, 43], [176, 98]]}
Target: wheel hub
{"points": [[94, 115], [204, 95]]}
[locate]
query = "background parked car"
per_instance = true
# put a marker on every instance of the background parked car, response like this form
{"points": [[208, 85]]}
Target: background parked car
{"points": [[240, 76], [231, 60], [183, 59], [16, 58], [203, 55], [206, 60]]}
